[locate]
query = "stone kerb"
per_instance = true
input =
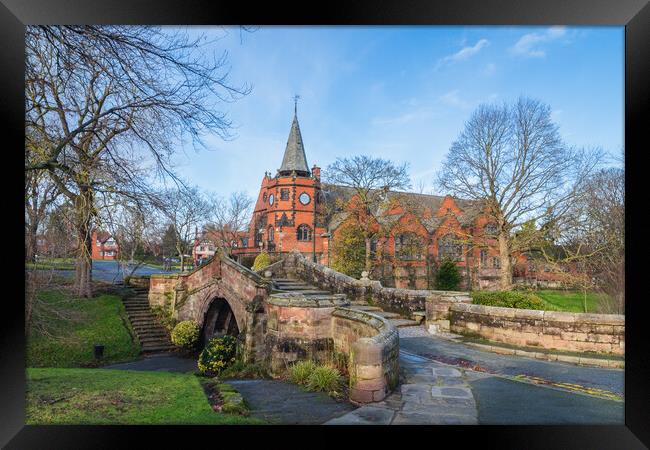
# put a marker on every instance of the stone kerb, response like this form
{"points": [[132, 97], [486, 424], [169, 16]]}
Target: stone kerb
{"points": [[372, 345], [601, 333]]}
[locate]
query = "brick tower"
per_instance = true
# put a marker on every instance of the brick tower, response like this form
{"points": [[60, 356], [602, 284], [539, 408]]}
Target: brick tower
{"points": [[285, 216]]}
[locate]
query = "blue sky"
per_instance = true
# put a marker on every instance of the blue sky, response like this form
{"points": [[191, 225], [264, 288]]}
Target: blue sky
{"points": [[402, 93]]}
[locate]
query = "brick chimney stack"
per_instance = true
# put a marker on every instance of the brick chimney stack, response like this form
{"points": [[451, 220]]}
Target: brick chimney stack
{"points": [[315, 171]]}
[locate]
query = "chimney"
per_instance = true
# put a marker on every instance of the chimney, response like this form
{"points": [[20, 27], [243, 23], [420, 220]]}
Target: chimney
{"points": [[315, 171]]}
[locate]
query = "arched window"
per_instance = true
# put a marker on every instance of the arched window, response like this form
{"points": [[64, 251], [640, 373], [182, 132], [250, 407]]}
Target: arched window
{"points": [[449, 248], [408, 246], [271, 236], [304, 233]]}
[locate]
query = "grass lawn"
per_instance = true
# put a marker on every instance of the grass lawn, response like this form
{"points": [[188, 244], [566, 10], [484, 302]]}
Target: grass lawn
{"points": [[82, 323], [52, 263], [102, 396], [570, 301]]}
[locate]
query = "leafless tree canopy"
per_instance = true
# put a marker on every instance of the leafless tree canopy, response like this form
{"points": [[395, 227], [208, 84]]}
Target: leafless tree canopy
{"points": [[106, 107], [513, 158], [186, 209], [229, 217], [370, 179]]}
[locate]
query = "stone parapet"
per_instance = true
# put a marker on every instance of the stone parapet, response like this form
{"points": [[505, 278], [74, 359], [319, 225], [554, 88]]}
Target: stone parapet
{"points": [[600, 333], [372, 346]]}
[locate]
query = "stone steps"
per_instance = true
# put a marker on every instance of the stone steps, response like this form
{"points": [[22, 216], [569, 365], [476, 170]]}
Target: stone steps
{"points": [[153, 337], [366, 307], [386, 314], [400, 323], [419, 316]]}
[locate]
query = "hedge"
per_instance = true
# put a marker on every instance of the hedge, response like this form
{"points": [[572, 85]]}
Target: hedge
{"points": [[509, 299]]}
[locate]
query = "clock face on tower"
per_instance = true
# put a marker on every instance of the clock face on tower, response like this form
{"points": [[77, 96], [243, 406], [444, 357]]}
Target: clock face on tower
{"points": [[271, 199], [304, 198]]}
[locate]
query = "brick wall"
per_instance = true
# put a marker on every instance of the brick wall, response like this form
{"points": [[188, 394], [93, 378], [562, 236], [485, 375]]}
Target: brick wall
{"points": [[602, 333]]}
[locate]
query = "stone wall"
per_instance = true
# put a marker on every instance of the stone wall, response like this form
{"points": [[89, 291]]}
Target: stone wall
{"points": [[320, 327], [402, 301], [299, 328], [372, 346], [602, 333], [437, 306]]}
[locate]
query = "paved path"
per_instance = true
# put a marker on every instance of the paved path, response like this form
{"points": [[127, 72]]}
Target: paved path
{"points": [[285, 403], [459, 354], [110, 271], [430, 393]]}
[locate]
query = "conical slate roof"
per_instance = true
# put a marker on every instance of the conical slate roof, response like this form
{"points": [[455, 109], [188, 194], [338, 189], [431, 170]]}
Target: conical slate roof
{"points": [[294, 155]]}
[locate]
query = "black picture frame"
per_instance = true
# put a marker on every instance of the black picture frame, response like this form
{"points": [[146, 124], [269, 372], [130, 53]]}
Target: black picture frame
{"points": [[633, 14]]}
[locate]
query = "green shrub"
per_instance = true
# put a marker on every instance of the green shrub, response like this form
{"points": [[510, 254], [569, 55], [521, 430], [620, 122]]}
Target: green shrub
{"points": [[324, 378], [261, 261], [448, 276], [301, 371], [509, 299], [217, 355], [185, 334], [349, 251]]}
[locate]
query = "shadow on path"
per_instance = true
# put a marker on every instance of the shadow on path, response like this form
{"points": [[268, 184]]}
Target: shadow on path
{"points": [[285, 403]]}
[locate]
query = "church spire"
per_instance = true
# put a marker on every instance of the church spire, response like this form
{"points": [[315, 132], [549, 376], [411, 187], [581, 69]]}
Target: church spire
{"points": [[294, 155]]}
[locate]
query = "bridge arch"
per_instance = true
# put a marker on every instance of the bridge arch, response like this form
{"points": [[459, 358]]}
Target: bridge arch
{"points": [[219, 319]]}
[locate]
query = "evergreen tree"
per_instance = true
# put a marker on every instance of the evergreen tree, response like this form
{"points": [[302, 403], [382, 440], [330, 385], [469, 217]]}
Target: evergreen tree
{"points": [[448, 276]]}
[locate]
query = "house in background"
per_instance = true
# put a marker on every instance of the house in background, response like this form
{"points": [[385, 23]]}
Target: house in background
{"points": [[209, 240], [104, 245]]}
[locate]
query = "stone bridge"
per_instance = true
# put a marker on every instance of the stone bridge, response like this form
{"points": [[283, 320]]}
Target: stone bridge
{"points": [[296, 309]]}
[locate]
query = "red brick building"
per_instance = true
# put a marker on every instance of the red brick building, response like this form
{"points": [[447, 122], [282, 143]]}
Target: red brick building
{"points": [[104, 245], [424, 229]]}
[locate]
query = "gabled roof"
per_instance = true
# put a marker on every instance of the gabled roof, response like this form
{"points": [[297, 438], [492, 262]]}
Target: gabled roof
{"points": [[294, 154], [409, 200]]}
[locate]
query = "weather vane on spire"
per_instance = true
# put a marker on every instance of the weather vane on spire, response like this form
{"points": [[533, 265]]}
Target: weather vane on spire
{"points": [[295, 104]]}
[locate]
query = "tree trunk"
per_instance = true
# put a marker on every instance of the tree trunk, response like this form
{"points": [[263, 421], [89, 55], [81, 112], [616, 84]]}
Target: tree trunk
{"points": [[30, 255], [368, 264], [506, 266], [83, 276]]}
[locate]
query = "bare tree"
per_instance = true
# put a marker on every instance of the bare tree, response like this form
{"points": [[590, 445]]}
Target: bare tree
{"points": [[185, 210], [40, 194], [592, 235], [229, 218], [370, 179], [128, 224], [512, 158], [110, 104]]}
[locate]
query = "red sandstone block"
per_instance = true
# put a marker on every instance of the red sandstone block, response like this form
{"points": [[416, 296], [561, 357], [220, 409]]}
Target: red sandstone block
{"points": [[361, 396]]}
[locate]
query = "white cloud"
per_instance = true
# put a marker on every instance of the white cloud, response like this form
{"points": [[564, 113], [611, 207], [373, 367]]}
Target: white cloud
{"points": [[463, 54], [452, 99], [489, 69], [530, 44], [402, 118]]}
